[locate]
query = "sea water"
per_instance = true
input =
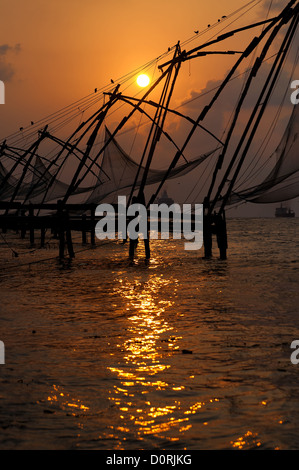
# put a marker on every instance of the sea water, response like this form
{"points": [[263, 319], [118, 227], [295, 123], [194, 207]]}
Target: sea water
{"points": [[180, 353]]}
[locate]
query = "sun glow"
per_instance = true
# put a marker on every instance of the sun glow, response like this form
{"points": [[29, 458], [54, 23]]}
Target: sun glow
{"points": [[143, 80]]}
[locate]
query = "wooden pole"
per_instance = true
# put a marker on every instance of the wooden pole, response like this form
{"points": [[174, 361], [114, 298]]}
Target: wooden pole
{"points": [[84, 238], [42, 237], [69, 241], [23, 226], [31, 225], [60, 229], [93, 225]]}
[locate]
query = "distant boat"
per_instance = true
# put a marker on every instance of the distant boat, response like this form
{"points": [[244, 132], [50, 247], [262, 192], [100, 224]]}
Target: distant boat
{"points": [[284, 212]]}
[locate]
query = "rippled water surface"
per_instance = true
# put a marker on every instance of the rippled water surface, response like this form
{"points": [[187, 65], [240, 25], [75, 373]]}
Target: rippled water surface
{"points": [[183, 353]]}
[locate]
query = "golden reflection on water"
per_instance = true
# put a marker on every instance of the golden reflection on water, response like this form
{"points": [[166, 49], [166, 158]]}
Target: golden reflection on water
{"points": [[144, 369], [64, 401], [248, 440]]}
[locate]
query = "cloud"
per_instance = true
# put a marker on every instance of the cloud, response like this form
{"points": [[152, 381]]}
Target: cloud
{"points": [[274, 5], [228, 98], [218, 118], [5, 48], [6, 71], [6, 68]]}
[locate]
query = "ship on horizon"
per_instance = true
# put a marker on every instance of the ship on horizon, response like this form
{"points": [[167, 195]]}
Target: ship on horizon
{"points": [[283, 211]]}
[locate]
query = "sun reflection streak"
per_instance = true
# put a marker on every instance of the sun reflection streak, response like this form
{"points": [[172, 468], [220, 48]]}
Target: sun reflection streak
{"points": [[248, 440], [65, 402], [144, 370]]}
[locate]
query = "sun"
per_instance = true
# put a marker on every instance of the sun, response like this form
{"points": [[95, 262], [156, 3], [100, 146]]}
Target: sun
{"points": [[143, 80]]}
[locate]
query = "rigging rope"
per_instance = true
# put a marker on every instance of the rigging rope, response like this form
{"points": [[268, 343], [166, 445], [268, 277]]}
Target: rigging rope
{"points": [[93, 98]]}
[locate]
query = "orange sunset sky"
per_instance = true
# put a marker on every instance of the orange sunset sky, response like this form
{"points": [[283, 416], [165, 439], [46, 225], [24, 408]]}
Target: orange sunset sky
{"points": [[53, 53], [59, 51]]}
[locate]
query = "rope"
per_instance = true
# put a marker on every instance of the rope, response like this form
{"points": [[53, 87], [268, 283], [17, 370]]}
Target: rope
{"points": [[52, 258], [93, 98], [15, 254]]}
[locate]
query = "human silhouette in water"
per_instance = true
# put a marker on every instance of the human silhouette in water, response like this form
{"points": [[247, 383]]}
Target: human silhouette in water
{"points": [[214, 224], [133, 243], [221, 235], [207, 230]]}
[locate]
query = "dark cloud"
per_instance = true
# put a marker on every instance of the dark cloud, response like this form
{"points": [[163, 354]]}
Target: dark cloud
{"points": [[219, 116], [274, 5], [6, 71], [5, 48], [228, 98], [6, 68]]}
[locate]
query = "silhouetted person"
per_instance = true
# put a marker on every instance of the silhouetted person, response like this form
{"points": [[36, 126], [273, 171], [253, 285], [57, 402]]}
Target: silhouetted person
{"points": [[133, 243], [213, 224], [207, 230], [221, 234]]}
